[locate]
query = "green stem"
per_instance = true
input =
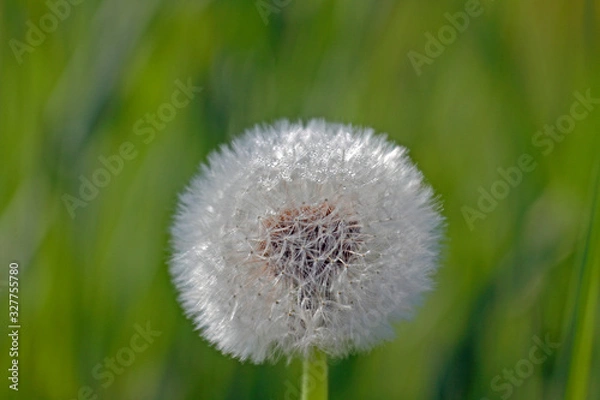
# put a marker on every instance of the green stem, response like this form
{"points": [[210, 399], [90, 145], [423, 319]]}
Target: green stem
{"points": [[314, 377], [585, 314]]}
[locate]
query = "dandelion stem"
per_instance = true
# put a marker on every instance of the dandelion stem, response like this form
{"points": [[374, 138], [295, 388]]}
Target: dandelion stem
{"points": [[314, 377]]}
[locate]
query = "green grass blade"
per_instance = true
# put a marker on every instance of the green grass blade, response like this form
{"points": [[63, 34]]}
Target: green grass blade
{"points": [[587, 302]]}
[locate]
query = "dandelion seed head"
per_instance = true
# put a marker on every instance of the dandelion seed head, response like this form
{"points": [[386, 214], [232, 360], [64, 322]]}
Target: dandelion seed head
{"points": [[304, 236]]}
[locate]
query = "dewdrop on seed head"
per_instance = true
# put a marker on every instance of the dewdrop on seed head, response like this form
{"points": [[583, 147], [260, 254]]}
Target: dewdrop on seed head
{"points": [[301, 237]]}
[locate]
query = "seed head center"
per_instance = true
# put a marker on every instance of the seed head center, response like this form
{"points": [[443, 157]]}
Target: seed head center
{"points": [[309, 245]]}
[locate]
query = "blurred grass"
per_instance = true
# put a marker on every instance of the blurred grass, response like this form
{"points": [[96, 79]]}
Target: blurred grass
{"points": [[587, 302], [86, 282]]}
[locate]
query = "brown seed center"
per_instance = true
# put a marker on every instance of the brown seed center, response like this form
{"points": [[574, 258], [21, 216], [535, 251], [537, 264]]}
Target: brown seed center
{"points": [[308, 246]]}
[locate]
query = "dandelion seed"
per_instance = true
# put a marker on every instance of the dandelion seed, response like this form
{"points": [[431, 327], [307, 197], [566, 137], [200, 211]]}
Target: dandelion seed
{"points": [[303, 237]]}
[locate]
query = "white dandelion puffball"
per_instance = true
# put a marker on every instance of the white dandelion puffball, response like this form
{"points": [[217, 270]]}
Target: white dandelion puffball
{"points": [[301, 237]]}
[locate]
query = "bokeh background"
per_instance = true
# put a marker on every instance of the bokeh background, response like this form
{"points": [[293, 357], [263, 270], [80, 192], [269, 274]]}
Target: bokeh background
{"points": [[77, 92]]}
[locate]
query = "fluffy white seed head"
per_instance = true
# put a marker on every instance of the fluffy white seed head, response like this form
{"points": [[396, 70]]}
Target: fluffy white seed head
{"points": [[299, 237]]}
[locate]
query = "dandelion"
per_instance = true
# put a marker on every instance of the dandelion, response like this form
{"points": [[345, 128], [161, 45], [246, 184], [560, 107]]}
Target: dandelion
{"points": [[304, 239]]}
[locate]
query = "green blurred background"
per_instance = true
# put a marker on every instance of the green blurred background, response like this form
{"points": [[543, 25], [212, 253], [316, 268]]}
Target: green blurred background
{"points": [[86, 281]]}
